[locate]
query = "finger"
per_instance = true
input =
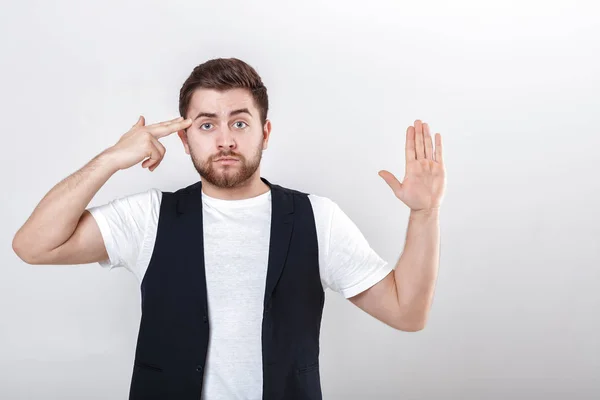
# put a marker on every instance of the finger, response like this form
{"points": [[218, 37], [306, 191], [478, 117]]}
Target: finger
{"points": [[153, 164], [438, 148], [410, 144], [151, 160], [155, 156], [166, 122], [160, 147], [146, 163], [428, 142], [391, 180], [420, 148], [164, 130], [140, 122]]}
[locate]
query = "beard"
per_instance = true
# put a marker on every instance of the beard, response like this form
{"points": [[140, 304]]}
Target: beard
{"points": [[227, 176]]}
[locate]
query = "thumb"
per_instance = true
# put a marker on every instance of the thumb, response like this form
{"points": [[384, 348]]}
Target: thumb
{"points": [[140, 122], [391, 180]]}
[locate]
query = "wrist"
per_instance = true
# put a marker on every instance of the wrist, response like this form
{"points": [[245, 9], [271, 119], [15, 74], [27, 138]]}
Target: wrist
{"points": [[425, 213], [108, 161]]}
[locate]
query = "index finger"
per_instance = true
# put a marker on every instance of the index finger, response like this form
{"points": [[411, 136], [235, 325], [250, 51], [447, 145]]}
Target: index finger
{"points": [[409, 148], [165, 130], [165, 122]]}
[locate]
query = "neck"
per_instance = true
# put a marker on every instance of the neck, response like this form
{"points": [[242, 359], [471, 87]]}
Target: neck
{"points": [[253, 187]]}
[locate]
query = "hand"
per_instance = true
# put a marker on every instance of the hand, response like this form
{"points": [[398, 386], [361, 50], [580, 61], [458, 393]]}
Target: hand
{"points": [[141, 143], [425, 178]]}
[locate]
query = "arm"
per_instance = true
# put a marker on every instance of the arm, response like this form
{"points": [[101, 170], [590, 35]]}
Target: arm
{"points": [[60, 230], [404, 297]]}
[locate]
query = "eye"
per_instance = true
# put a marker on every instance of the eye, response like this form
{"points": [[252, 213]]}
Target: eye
{"points": [[240, 122], [203, 126]]}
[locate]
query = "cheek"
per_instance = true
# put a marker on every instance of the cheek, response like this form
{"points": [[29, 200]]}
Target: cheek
{"points": [[200, 142], [200, 149]]}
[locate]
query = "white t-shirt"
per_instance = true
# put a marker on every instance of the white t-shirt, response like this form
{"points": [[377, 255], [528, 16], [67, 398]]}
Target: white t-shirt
{"points": [[236, 249]]}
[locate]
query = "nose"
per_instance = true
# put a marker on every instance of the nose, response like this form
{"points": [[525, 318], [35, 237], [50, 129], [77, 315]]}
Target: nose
{"points": [[226, 140]]}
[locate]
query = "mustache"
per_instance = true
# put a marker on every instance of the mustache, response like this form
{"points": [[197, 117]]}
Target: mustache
{"points": [[228, 154]]}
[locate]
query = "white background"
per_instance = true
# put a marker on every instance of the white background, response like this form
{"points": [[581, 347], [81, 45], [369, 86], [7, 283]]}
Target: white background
{"points": [[511, 86]]}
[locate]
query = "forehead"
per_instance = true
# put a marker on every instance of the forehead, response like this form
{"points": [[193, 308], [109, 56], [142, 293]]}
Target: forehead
{"points": [[221, 102]]}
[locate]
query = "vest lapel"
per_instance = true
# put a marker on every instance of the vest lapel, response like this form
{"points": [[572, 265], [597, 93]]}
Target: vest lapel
{"points": [[282, 225]]}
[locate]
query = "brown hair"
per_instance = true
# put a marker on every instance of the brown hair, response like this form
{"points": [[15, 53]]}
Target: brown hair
{"points": [[224, 74]]}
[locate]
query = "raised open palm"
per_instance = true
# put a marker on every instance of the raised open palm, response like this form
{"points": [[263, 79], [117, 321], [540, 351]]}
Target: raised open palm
{"points": [[424, 182]]}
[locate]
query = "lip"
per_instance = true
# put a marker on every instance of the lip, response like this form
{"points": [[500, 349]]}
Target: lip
{"points": [[227, 160]]}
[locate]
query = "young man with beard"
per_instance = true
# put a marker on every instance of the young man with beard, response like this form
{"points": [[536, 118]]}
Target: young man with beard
{"points": [[232, 268]]}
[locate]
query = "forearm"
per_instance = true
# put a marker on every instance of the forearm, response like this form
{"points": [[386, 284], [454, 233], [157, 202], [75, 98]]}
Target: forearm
{"points": [[55, 218], [417, 268]]}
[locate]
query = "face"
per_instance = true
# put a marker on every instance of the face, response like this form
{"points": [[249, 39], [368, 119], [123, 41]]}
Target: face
{"points": [[226, 138]]}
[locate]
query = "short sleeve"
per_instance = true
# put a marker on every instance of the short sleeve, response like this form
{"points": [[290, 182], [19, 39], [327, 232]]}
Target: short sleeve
{"points": [[124, 224], [349, 265]]}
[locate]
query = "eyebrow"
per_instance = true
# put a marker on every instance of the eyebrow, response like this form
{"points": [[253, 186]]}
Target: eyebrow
{"points": [[214, 115]]}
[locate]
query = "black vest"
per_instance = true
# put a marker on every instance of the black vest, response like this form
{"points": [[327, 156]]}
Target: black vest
{"points": [[173, 335]]}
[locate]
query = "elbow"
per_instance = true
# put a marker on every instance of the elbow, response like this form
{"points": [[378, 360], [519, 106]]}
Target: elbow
{"points": [[411, 328], [414, 323], [20, 249]]}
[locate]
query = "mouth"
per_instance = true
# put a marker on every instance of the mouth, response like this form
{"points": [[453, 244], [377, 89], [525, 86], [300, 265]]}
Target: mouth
{"points": [[226, 160]]}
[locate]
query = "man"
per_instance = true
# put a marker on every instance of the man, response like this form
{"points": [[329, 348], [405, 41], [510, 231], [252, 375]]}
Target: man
{"points": [[232, 268]]}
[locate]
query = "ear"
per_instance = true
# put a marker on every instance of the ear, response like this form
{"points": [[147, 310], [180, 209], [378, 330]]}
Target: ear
{"points": [[183, 136], [266, 134]]}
